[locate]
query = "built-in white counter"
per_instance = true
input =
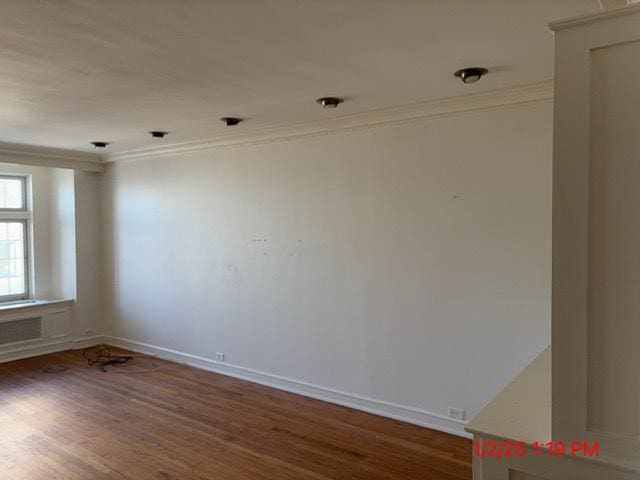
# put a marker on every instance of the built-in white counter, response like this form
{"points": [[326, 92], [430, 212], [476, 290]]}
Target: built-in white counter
{"points": [[522, 410]]}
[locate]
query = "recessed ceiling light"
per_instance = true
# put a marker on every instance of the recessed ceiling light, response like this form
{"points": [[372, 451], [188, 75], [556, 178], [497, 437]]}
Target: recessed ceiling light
{"points": [[330, 102], [158, 134], [100, 144], [231, 121], [471, 74]]}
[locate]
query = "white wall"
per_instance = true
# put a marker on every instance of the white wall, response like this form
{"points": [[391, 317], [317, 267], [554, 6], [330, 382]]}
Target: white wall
{"points": [[408, 264], [88, 306], [76, 246], [62, 229]]}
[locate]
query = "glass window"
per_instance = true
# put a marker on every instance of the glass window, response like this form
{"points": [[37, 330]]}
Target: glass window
{"points": [[12, 193], [13, 260], [14, 247]]}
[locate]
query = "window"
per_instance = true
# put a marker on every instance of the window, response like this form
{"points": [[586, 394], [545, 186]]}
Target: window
{"points": [[14, 219]]}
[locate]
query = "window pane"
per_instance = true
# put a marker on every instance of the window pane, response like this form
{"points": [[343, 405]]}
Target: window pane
{"points": [[11, 193], [12, 248], [16, 285]]}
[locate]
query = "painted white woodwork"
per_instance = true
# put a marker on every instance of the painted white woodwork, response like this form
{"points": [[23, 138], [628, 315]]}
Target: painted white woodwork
{"points": [[520, 95], [49, 157], [596, 231], [522, 410], [596, 260], [611, 4], [56, 325]]}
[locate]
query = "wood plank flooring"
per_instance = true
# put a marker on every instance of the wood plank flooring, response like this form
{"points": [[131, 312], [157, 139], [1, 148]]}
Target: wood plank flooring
{"points": [[154, 419]]}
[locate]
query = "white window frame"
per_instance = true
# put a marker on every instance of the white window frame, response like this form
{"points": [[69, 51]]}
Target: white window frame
{"points": [[20, 215]]}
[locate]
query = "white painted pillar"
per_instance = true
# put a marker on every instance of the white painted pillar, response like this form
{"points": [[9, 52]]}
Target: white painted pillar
{"points": [[596, 233]]}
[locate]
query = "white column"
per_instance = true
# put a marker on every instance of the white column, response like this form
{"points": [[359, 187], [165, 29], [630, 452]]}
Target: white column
{"points": [[596, 233]]}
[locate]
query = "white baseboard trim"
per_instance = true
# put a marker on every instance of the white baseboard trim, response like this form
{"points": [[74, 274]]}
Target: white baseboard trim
{"points": [[378, 407], [40, 348]]}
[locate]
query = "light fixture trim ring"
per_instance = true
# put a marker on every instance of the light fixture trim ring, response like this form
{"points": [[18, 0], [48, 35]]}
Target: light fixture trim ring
{"points": [[330, 102], [471, 74]]}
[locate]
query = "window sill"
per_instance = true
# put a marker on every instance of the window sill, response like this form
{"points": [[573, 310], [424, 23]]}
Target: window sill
{"points": [[21, 305]]}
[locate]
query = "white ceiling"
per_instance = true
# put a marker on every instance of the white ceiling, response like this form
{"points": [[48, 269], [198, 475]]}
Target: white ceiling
{"points": [[74, 71]]}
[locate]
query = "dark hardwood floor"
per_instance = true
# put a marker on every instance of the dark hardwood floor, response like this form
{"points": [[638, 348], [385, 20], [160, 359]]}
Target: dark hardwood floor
{"points": [[153, 419]]}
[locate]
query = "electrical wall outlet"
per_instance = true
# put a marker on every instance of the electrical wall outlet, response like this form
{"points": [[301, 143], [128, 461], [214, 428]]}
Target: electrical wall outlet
{"points": [[88, 333], [457, 414], [219, 357]]}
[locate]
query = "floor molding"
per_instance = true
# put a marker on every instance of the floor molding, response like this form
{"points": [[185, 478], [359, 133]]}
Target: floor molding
{"points": [[40, 348], [386, 409]]}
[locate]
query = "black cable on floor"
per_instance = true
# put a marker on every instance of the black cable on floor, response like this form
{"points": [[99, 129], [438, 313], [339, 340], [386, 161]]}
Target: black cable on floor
{"points": [[102, 357]]}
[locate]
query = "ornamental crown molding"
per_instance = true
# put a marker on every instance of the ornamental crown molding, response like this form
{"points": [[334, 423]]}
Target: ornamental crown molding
{"points": [[49, 157], [630, 9], [476, 102]]}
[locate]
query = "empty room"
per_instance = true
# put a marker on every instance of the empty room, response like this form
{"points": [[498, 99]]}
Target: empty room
{"points": [[319, 240]]}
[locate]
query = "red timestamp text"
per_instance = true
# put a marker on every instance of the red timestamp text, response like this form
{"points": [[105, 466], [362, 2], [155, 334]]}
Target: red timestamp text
{"points": [[506, 449]]}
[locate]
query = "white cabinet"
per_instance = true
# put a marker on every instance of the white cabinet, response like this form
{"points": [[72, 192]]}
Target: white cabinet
{"points": [[595, 360]]}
